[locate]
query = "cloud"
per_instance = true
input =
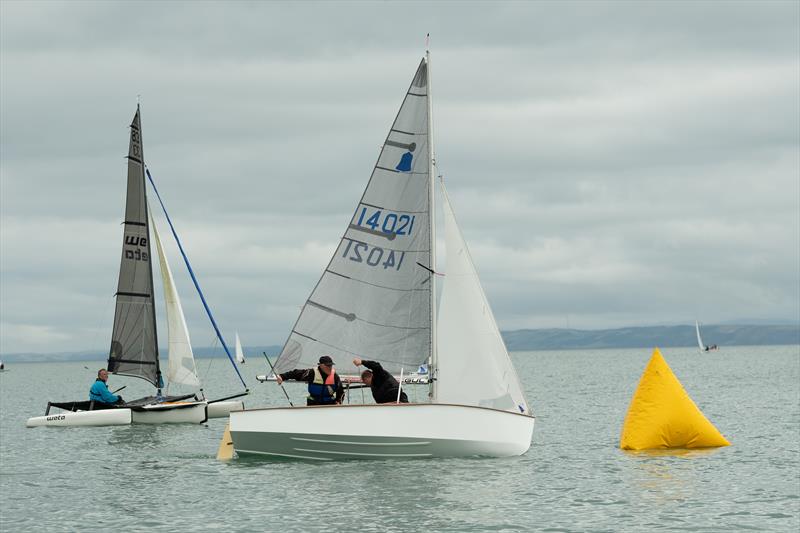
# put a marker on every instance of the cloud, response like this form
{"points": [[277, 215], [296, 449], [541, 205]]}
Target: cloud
{"points": [[610, 163]]}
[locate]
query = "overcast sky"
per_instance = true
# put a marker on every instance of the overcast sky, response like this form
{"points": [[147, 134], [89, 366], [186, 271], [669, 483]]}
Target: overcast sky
{"points": [[611, 164]]}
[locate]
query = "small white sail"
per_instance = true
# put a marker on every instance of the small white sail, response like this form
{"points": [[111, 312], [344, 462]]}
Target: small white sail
{"points": [[474, 367], [181, 369], [239, 352], [699, 340]]}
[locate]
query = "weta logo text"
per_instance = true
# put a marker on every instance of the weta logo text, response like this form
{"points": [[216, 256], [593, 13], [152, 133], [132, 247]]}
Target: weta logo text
{"points": [[56, 417], [137, 254]]}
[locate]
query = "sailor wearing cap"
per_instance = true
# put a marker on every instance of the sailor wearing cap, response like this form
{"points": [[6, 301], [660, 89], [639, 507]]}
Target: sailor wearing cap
{"points": [[324, 385]]}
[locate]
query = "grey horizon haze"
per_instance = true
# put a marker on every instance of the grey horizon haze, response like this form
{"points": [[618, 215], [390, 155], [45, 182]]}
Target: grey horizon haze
{"points": [[611, 163]]}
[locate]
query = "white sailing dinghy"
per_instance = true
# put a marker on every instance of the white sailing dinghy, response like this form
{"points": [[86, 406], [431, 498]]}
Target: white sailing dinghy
{"points": [[238, 350], [134, 340], [376, 300], [703, 347]]}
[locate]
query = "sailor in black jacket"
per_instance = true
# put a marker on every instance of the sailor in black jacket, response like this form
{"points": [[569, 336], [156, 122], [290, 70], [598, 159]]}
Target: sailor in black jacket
{"points": [[384, 386]]}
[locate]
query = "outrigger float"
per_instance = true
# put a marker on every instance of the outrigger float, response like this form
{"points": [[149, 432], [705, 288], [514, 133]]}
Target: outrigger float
{"points": [[134, 339]]}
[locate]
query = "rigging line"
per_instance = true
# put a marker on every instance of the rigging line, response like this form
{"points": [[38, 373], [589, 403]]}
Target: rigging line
{"points": [[399, 250], [373, 284], [210, 359], [393, 209], [99, 327], [194, 279]]}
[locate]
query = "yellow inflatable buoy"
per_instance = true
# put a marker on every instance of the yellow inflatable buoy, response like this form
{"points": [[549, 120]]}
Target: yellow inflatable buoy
{"points": [[662, 415], [225, 451]]}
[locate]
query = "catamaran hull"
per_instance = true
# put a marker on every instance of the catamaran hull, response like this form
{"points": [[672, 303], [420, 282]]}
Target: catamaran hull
{"points": [[171, 413], [388, 431], [104, 417], [164, 413], [223, 409]]}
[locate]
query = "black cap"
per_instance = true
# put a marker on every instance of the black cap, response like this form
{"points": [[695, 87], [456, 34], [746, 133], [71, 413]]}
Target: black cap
{"points": [[326, 360]]}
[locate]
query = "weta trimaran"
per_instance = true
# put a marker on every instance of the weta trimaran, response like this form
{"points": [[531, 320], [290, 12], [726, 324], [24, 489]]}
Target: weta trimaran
{"points": [[134, 339], [376, 300]]}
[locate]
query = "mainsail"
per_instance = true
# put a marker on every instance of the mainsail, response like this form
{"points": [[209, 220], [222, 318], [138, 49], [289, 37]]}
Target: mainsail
{"points": [[134, 343], [473, 364], [181, 367], [374, 298]]}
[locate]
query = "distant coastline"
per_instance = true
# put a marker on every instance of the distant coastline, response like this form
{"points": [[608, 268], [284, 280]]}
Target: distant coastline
{"points": [[535, 339]]}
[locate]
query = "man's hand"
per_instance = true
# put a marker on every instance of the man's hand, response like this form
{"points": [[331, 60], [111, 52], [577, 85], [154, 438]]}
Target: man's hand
{"points": [[357, 361], [278, 378]]}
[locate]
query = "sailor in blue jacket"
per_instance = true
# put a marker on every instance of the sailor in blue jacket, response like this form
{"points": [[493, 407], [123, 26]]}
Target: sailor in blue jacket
{"points": [[99, 392]]}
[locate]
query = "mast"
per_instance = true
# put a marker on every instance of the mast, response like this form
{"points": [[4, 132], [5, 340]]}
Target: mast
{"points": [[159, 379], [432, 214]]}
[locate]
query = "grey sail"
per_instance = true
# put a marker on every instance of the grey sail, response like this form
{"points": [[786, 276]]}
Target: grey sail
{"points": [[134, 344], [374, 298]]}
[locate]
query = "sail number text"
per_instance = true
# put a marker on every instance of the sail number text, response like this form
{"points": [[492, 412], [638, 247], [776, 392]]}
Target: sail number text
{"points": [[361, 252], [385, 221]]}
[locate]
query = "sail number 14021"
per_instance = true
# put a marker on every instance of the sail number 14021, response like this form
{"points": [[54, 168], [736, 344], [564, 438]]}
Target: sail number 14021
{"points": [[385, 221], [361, 252]]}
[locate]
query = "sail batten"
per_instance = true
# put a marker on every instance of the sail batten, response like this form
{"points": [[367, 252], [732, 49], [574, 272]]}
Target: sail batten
{"points": [[134, 340], [372, 300]]}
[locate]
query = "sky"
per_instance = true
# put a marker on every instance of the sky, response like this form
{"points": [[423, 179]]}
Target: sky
{"points": [[611, 163]]}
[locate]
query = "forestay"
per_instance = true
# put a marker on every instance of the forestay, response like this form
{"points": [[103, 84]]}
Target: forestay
{"points": [[473, 364], [134, 343], [181, 369], [374, 299]]}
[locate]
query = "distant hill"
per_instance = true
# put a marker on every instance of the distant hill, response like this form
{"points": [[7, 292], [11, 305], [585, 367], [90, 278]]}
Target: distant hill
{"points": [[537, 339], [250, 352], [648, 337]]}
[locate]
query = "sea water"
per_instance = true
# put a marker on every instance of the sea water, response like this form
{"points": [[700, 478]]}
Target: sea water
{"points": [[573, 478]]}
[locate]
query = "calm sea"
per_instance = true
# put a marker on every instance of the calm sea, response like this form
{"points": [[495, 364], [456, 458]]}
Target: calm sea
{"points": [[574, 478]]}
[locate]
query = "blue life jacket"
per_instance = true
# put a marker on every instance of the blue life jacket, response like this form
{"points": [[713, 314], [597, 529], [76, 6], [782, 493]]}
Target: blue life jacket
{"points": [[321, 390], [100, 393]]}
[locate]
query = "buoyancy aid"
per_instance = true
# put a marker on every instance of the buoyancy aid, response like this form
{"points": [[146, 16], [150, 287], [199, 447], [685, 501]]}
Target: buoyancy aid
{"points": [[323, 390]]}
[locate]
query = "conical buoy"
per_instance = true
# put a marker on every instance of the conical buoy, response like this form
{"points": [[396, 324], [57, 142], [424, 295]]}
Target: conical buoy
{"points": [[662, 415]]}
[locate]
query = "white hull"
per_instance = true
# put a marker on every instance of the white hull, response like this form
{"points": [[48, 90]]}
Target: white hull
{"points": [[223, 409], [104, 417], [164, 413], [171, 413], [398, 431]]}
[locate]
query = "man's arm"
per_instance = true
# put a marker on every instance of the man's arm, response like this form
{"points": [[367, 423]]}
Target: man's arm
{"points": [[339, 390], [298, 374], [373, 365]]}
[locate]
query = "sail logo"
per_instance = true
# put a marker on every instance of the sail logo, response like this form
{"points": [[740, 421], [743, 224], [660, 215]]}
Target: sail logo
{"points": [[407, 158], [137, 254]]}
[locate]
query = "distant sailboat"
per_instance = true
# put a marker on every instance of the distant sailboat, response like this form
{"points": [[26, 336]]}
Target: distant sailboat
{"points": [[238, 350], [703, 347], [376, 299], [134, 339]]}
